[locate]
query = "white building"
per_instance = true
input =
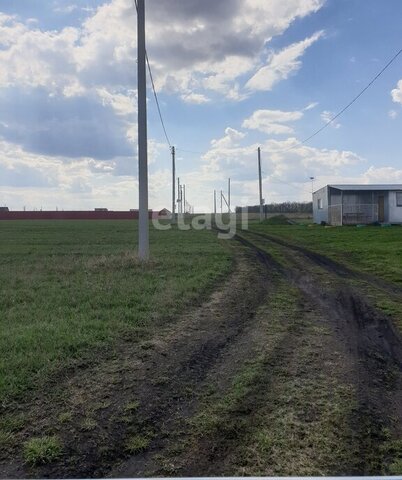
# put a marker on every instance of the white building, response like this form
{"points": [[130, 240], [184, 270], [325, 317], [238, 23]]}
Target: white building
{"points": [[358, 204]]}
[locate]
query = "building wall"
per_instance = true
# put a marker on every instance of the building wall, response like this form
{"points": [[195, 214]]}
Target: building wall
{"points": [[395, 213], [320, 215]]}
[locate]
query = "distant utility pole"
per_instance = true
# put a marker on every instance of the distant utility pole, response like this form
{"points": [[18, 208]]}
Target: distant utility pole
{"points": [[221, 201], [173, 185], [214, 202], [312, 184], [143, 226], [260, 185], [178, 196], [184, 199]]}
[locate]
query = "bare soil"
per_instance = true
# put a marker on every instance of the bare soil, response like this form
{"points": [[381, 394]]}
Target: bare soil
{"points": [[179, 391]]}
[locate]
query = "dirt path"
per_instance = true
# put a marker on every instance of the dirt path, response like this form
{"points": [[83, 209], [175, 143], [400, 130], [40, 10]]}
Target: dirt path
{"points": [[373, 345], [334, 267], [287, 369]]}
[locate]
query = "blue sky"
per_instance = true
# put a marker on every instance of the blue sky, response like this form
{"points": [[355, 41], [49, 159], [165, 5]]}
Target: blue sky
{"points": [[231, 76]]}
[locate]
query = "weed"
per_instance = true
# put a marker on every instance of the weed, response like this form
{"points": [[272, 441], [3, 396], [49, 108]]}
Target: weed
{"points": [[132, 406], [65, 417], [89, 424], [42, 450], [396, 467], [137, 443]]}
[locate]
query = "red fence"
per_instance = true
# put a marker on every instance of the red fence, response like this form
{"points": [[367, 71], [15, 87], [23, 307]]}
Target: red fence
{"points": [[71, 215]]}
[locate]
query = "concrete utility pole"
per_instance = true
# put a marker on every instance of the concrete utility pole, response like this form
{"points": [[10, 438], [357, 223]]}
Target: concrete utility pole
{"points": [[178, 196], [173, 185], [260, 185], [184, 199], [229, 195], [221, 201], [143, 226], [214, 202]]}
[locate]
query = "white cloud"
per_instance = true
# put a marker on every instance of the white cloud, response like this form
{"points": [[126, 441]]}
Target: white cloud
{"points": [[122, 104], [205, 46], [397, 93], [281, 64], [393, 114], [382, 175], [327, 116], [272, 121], [310, 106], [195, 98]]}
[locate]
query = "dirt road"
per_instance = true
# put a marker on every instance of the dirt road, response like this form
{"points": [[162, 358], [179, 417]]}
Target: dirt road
{"points": [[287, 369]]}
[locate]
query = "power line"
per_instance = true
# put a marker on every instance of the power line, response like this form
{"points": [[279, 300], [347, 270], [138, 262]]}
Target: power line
{"points": [[154, 90], [157, 101], [348, 105]]}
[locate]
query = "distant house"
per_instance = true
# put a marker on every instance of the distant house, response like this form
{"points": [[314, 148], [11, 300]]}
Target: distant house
{"points": [[358, 204], [4, 209]]}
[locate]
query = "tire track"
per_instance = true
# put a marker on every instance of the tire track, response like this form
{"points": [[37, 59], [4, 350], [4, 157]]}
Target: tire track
{"points": [[374, 346], [334, 267]]}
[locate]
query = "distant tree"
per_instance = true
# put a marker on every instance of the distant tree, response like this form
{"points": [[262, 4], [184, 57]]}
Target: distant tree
{"points": [[284, 207]]}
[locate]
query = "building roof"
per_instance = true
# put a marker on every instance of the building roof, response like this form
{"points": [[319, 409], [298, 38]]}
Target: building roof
{"points": [[368, 187]]}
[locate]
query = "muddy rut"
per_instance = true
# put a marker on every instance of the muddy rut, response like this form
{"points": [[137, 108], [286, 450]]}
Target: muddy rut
{"points": [[153, 390]]}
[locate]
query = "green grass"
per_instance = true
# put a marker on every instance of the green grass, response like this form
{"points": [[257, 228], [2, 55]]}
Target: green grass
{"points": [[42, 450], [372, 249], [137, 443], [69, 287]]}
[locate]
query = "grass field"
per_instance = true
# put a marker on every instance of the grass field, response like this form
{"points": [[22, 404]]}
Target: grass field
{"points": [[68, 288], [374, 250], [287, 366]]}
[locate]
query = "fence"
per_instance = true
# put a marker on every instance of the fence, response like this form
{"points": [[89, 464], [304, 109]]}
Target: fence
{"points": [[71, 215], [353, 214]]}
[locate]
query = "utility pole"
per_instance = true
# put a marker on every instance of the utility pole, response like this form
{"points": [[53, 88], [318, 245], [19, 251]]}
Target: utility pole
{"points": [[312, 184], [178, 196], [184, 199], [143, 226], [214, 202], [229, 195], [221, 201], [173, 185], [260, 185]]}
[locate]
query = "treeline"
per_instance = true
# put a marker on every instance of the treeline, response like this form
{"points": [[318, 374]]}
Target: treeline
{"points": [[285, 207]]}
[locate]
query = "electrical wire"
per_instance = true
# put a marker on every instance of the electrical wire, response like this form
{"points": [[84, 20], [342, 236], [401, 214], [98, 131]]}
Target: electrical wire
{"points": [[341, 112], [154, 90]]}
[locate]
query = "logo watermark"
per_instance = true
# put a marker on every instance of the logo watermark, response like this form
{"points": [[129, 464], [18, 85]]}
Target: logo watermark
{"points": [[225, 224]]}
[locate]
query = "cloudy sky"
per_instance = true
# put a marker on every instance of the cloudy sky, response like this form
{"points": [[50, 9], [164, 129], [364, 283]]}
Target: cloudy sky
{"points": [[231, 75]]}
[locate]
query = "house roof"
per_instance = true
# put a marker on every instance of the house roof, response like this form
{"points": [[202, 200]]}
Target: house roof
{"points": [[367, 187]]}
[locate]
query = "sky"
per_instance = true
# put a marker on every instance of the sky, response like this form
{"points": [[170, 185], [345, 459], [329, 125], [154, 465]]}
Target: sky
{"points": [[231, 76]]}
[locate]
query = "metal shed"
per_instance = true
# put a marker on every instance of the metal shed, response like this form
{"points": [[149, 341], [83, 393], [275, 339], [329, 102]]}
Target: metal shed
{"points": [[358, 204]]}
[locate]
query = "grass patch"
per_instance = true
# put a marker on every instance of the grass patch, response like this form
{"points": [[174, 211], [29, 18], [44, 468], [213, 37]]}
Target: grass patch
{"points": [[65, 417], [42, 450], [68, 288], [137, 443], [277, 220], [132, 406], [374, 250], [89, 424]]}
